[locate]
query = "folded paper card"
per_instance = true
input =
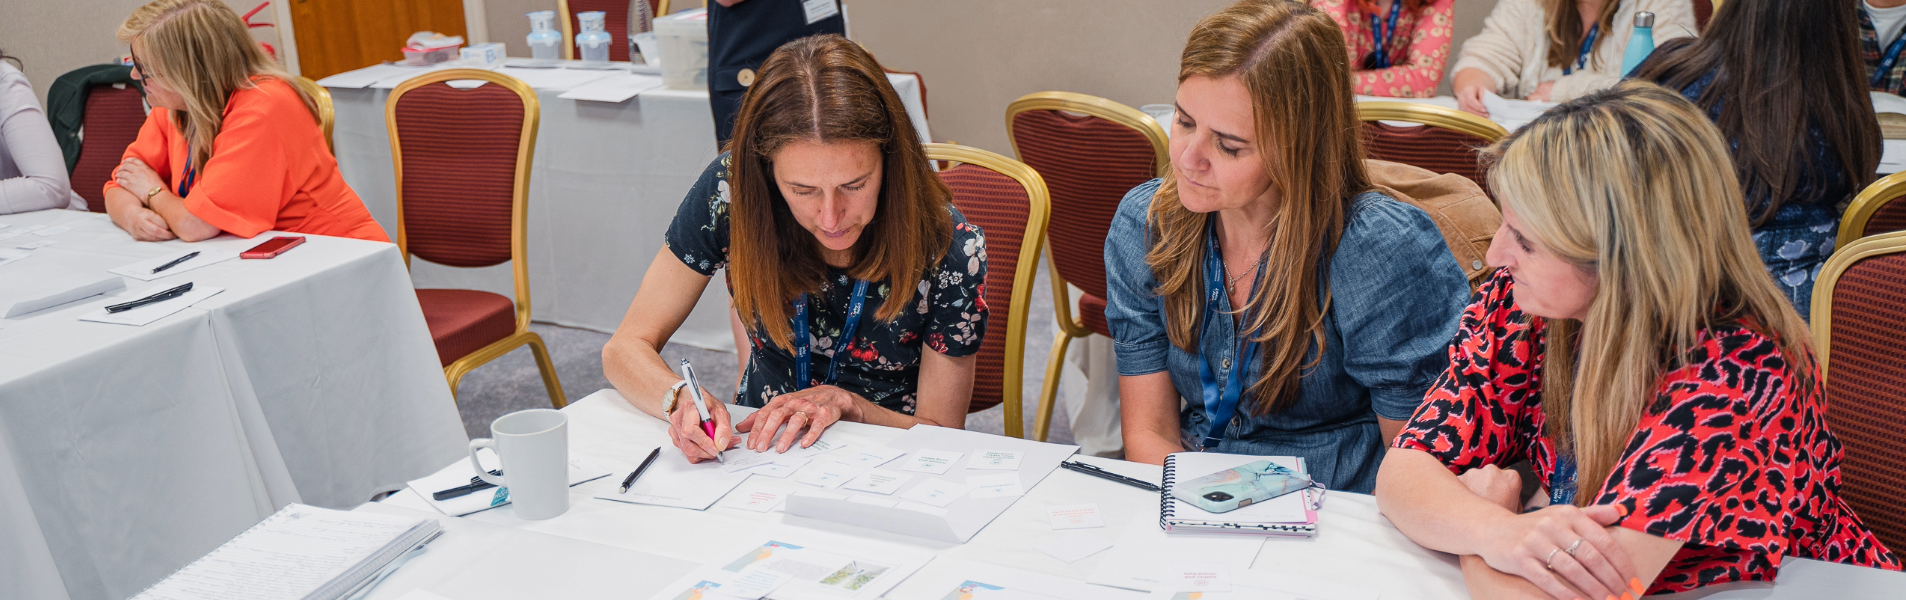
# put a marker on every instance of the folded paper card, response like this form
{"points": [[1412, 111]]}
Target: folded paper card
{"points": [[30, 288]]}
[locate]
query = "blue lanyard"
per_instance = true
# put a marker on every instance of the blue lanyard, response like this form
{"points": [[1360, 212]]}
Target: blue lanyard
{"points": [[1382, 36], [190, 174], [1887, 60], [1562, 481], [801, 359], [1221, 405], [1588, 44]]}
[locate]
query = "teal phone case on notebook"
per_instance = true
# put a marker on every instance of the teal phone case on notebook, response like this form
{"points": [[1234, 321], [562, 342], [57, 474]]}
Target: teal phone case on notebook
{"points": [[1234, 488]]}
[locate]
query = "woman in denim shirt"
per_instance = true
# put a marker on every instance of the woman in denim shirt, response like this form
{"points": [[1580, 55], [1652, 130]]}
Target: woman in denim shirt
{"points": [[1352, 294]]}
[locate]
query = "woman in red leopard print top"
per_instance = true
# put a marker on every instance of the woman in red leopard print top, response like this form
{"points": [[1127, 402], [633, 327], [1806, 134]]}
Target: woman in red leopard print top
{"points": [[1691, 406]]}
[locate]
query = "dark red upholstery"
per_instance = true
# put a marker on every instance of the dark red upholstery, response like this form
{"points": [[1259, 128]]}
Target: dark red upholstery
{"points": [[112, 120], [459, 171], [464, 321], [1088, 164], [1433, 148], [615, 21], [1092, 314], [1889, 218], [1703, 10], [999, 206], [1866, 391]]}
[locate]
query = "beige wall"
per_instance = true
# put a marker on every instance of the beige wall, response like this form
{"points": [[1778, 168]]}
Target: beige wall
{"points": [[976, 55], [56, 36]]}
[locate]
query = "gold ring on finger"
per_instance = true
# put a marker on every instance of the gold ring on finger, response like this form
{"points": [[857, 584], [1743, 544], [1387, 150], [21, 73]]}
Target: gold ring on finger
{"points": [[1550, 563]]}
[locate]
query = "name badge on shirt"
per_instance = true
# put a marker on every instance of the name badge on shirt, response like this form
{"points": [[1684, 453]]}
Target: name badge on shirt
{"points": [[819, 9]]}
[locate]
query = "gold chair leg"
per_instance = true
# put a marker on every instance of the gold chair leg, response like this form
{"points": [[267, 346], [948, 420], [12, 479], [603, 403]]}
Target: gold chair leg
{"points": [[1055, 364], [548, 369], [454, 376]]}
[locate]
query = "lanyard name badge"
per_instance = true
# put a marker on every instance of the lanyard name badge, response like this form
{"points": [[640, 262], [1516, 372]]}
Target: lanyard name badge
{"points": [[1562, 481], [185, 187], [1887, 60], [801, 355], [1382, 36], [1588, 44], [1221, 403]]}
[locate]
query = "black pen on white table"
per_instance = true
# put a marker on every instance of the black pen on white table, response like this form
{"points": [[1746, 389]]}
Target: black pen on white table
{"points": [[1104, 474], [176, 261], [638, 470], [153, 299]]}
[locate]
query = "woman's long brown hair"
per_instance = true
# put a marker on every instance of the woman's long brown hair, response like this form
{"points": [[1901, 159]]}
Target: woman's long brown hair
{"points": [[1781, 70], [1565, 30], [1292, 60], [828, 89]]}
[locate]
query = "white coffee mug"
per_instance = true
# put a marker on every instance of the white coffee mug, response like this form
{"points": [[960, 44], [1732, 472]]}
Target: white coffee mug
{"points": [[534, 447]]}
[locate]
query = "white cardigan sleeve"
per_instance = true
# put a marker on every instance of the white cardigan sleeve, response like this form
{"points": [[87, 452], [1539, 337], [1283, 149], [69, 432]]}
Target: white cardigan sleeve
{"points": [[42, 183], [1511, 37]]}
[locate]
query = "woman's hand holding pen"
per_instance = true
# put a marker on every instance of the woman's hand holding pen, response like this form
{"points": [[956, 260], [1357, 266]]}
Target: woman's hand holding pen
{"points": [[685, 427]]}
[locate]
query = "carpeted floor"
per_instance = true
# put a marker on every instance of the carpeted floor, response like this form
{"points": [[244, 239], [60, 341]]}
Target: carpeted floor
{"points": [[511, 383]]}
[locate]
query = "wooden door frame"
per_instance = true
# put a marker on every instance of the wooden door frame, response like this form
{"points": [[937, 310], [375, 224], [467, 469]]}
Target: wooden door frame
{"points": [[475, 27]]}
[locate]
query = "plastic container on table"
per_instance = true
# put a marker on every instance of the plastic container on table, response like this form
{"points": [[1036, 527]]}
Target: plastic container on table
{"points": [[545, 43], [594, 40], [682, 40]]}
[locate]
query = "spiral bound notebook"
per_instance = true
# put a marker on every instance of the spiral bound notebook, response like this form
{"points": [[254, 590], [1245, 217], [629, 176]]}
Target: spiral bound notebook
{"points": [[1290, 515], [298, 552]]}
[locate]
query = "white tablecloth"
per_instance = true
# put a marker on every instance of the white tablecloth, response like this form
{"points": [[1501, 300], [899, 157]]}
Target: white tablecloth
{"points": [[605, 183], [1355, 546], [126, 452]]}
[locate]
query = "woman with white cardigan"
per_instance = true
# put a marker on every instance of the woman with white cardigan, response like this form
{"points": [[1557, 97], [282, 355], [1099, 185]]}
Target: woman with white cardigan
{"points": [[32, 170], [1557, 50]]}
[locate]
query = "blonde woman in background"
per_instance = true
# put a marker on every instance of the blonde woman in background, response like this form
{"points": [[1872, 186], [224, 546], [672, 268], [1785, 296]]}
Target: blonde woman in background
{"points": [[1264, 263], [230, 145], [1557, 50], [1635, 351]]}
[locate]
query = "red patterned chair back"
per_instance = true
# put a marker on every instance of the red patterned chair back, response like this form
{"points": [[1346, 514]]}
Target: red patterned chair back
{"points": [[1880, 208], [462, 158], [1090, 151], [1008, 201], [1859, 330], [615, 21], [1703, 10], [1445, 140], [113, 117]]}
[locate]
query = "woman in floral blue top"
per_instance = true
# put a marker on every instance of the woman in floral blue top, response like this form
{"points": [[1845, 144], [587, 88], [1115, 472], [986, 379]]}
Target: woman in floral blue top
{"points": [[822, 209]]}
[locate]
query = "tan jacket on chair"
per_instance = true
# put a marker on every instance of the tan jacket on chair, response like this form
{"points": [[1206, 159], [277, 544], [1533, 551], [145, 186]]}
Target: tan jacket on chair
{"points": [[1465, 215]]}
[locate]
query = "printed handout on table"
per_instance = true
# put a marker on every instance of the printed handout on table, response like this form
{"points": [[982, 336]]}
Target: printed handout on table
{"points": [[998, 485], [757, 500], [1138, 558], [142, 270], [1199, 577], [879, 481], [672, 481], [829, 475], [954, 579], [754, 583], [779, 469], [1074, 545], [795, 564], [873, 457], [1075, 516], [998, 460], [937, 492], [145, 315], [926, 460], [740, 457]]}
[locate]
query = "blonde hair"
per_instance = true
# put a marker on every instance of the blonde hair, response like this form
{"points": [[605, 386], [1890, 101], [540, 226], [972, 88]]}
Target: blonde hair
{"points": [[1292, 60], [204, 52], [1635, 185]]}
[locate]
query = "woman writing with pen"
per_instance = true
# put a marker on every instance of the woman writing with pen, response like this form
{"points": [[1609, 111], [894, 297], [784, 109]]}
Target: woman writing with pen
{"points": [[844, 254]]}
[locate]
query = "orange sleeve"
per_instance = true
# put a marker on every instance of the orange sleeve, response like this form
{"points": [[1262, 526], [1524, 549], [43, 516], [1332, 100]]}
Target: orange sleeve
{"points": [[151, 148], [241, 189]]}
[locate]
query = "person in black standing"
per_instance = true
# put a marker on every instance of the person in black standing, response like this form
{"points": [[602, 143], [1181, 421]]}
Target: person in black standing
{"points": [[742, 33]]}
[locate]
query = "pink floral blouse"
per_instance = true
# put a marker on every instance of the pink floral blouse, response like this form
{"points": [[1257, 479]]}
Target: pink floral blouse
{"points": [[1421, 47]]}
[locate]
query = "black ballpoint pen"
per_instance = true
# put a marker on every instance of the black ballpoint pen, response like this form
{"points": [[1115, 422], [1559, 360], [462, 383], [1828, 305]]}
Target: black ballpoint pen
{"points": [[638, 470], [476, 484], [175, 262], [159, 297], [1104, 474]]}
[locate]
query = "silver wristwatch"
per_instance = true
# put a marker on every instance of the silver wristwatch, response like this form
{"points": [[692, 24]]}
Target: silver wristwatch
{"points": [[668, 401]]}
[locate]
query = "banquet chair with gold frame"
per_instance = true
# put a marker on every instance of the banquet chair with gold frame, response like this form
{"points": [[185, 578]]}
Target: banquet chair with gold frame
{"points": [[1880, 208], [327, 113], [1446, 140], [1859, 337], [615, 21], [462, 158], [1008, 201], [1090, 151]]}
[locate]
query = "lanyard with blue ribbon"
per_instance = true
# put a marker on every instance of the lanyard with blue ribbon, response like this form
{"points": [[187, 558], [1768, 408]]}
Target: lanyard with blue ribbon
{"points": [[185, 187], [1220, 404], [1887, 60], [1588, 44], [1562, 481], [1382, 36], [801, 358]]}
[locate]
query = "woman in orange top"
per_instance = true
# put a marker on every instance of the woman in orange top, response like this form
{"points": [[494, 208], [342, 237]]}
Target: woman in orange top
{"points": [[230, 145]]}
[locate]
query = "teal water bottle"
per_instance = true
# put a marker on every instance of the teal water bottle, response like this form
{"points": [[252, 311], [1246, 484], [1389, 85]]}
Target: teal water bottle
{"points": [[1641, 43]]}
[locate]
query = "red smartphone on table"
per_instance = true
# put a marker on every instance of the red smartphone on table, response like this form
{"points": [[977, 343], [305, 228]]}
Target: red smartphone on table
{"points": [[273, 247]]}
